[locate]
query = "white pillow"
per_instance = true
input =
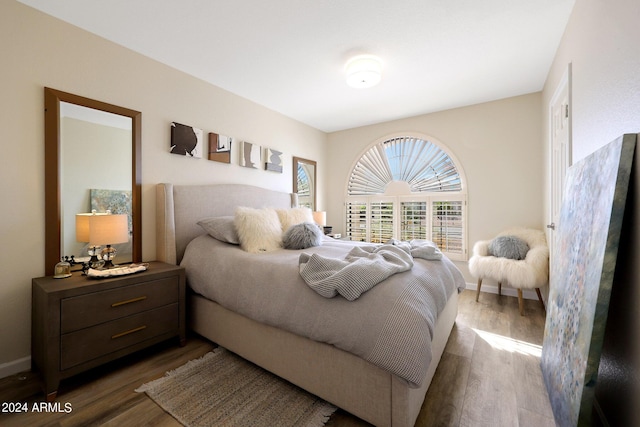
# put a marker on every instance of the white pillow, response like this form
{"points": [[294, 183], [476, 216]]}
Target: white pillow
{"points": [[259, 230], [294, 216]]}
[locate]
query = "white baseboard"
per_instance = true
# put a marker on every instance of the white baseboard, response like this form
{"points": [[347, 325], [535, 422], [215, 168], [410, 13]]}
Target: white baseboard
{"points": [[15, 367], [506, 290]]}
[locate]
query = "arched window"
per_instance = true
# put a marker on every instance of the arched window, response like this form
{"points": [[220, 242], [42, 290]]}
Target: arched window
{"points": [[408, 187]]}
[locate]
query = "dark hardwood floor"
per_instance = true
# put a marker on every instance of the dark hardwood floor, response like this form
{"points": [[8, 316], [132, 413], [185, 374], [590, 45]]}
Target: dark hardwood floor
{"points": [[489, 375]]}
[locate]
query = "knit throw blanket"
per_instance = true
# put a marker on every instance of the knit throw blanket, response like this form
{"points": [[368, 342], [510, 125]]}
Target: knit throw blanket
{"points": [[363, 267]]}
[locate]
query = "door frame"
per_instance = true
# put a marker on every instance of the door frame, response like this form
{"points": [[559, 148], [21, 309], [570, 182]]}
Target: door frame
{"points": [[563, 85]]}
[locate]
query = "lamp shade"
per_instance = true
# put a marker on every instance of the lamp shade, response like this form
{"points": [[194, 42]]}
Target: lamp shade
{"points": [[102, 229], [363, 71], [82, 226], [320, 217]]}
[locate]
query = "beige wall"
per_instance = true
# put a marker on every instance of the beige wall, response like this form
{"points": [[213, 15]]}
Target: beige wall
{"points": [[39, 51], [601, 43], [498, 145]]}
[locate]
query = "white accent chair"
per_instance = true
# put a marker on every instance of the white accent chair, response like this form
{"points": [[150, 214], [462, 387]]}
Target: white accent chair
{"points": [[529, 273]]}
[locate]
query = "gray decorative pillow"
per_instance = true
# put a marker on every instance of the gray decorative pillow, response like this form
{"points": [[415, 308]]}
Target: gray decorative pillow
{"points": [[302, 236], [221, 228], [511, 247]]}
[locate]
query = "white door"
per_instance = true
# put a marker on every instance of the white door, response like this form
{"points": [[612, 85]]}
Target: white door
{"points": [[560, 153]]}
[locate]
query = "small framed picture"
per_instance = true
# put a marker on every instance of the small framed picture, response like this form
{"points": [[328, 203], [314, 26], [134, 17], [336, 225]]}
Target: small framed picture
{"points": [[250, 155], [220, 147], [186, 140], [274, 160]]}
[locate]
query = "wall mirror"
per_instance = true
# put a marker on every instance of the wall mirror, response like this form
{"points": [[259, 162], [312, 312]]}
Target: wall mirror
{"points": [[304, 182], [92, 161]]}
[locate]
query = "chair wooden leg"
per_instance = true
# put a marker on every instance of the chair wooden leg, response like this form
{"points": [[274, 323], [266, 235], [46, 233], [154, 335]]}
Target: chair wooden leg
{"points": [[540, 299], [499, 288], [520, 302], [478, 290]]}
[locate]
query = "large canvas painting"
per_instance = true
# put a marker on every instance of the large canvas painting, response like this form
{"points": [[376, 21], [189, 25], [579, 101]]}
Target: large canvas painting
{"points": [[582, 277]]}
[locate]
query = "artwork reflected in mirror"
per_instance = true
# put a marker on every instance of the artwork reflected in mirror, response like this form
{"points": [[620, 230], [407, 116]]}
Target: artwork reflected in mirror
{"points": [[304, 182]]}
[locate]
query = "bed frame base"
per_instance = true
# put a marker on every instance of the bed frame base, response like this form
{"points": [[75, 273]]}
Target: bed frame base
{"points": [[336, 376]]}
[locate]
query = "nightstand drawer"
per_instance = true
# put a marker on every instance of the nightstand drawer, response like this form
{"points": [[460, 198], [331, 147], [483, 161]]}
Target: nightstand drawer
{"points": [[87, 344], [92, 309]]}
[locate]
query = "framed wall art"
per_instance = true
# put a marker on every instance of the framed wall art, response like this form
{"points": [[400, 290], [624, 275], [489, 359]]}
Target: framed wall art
{"points": [[220, 147], [186, 140], [274, 160], [250, 155]]}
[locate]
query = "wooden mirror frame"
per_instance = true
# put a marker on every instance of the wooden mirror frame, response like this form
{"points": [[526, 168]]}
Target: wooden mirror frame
{"points": [[52, 188], [296, 161]]}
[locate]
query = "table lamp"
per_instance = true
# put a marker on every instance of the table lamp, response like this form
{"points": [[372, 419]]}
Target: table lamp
{"points": [[102, 229], [320, 217]]}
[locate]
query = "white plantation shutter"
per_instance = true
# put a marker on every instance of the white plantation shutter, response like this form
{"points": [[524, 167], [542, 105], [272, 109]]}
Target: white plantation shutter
{"points": [[381, 221], [414, 221], [421, 164], [448, 226], [357, 220], [432, 207], [304, 187]]}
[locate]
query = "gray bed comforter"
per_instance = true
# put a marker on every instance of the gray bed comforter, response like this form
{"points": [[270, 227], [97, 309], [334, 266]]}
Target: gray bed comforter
{"points": [[391, 325]]}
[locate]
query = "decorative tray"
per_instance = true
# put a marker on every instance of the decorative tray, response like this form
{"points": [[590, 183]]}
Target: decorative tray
{"points": [[117, 271]]}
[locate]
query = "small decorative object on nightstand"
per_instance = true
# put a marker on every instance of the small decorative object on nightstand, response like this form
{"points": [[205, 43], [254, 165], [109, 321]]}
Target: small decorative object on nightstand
{"points": [[62, 270], [81, 323]]}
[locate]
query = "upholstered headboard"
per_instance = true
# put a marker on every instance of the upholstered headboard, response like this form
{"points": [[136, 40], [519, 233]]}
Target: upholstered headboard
{"points": [[180, 207]]}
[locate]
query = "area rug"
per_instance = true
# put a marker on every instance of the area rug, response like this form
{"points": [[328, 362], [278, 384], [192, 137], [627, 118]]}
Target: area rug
{"points": [[222, 389]]}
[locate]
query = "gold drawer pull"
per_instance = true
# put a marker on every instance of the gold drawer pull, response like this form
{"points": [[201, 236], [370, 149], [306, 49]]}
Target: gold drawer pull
{"points": [[130, 331], [129, 301]]}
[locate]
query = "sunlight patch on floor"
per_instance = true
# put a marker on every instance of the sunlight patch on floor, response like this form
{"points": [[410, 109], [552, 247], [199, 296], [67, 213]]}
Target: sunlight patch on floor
{"points": [[511, 345]]}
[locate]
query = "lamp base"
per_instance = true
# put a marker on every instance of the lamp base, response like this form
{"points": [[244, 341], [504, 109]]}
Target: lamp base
{"points": [[108, 254], [108, 264]]}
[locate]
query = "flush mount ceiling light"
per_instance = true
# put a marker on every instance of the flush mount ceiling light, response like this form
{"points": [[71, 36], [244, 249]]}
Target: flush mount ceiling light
{"points": [[363, 71]]}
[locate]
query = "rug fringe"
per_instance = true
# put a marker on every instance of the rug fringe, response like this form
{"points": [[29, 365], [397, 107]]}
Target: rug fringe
{"points": [[151, 385], [322, 417]]}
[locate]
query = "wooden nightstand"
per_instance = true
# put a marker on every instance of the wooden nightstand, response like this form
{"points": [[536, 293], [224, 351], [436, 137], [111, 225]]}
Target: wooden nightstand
{"points": [[79, 323]]}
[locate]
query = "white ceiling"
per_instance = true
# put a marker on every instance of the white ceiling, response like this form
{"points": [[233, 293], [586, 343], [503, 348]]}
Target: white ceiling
{"points": [[288, 55]]}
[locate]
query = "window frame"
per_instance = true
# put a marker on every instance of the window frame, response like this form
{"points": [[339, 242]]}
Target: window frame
{"points": [[367, 200]]}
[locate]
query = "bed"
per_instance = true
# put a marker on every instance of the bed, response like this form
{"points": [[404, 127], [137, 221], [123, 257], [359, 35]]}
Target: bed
{"points": [[349, 381]]}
